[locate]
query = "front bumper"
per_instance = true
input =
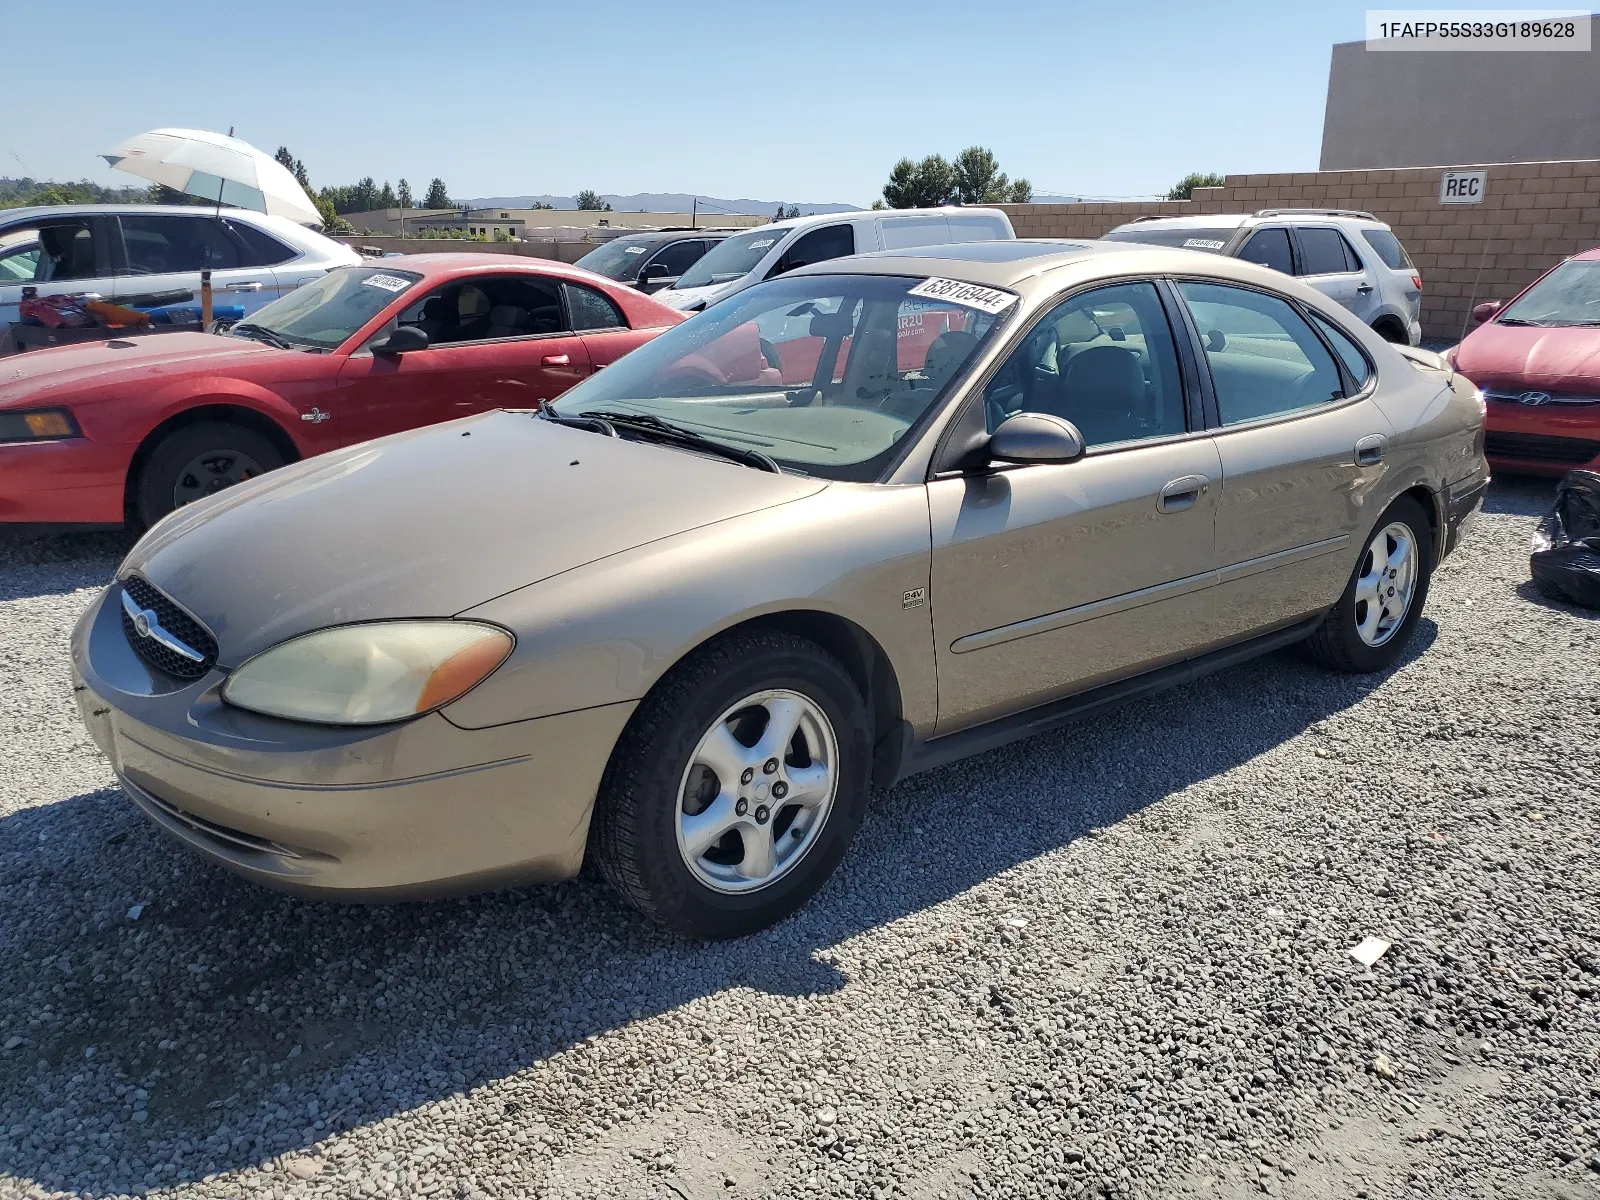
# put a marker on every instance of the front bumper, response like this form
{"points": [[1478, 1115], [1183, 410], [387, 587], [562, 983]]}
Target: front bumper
{"points": [[409, 811], [70, 481]]}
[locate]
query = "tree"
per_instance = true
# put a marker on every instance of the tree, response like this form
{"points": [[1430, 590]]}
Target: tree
{"points": [[979, 180], [437, 196], [402, 195], [590, 202], [924, 184], [786, 213], [1184, 188], [386, 196], [1021, 192]]}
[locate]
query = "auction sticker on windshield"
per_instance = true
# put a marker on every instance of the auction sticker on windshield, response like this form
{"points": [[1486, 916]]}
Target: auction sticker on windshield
{"points": [[1204, 244], [389, 283], [971, 295]]}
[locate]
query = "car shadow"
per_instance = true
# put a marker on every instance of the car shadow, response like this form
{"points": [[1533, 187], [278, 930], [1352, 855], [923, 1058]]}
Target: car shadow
{"points": [[170, 1034], [1531, 592], [42, 565], [1521, 495]]}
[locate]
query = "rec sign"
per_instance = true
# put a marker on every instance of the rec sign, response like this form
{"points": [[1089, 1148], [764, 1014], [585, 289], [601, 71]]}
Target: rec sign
{"points": [[1462, 187]]}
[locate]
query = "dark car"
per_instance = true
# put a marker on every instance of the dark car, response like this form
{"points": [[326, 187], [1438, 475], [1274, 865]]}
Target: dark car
{"points": [[651, 261]]}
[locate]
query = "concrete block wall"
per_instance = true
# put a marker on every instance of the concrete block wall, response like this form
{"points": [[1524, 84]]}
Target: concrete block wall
{"points": [[1533, 215], [567, 252]]}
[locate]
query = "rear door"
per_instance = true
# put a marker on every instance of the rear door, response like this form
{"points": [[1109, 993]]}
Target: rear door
{"points": [[1052, 578], [1328, 264], [495, 341], [163, 252], [1302, 446], [68, 255]]}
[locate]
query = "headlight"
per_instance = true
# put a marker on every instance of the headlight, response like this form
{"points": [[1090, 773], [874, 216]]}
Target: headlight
{"points": [[39, 425], [369, 674]]}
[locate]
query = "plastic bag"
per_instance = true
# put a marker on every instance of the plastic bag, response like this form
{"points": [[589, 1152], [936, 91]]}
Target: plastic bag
{"points": [[1566, 546]]}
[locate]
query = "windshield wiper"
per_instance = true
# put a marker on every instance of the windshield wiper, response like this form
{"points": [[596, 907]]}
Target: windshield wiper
{"points": [[666, 431], [1520, 321], [260, 333]]}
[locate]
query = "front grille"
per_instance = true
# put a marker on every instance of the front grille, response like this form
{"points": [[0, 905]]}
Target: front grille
{"points": [[1507, 396], [176, 622], [1536, 447]]}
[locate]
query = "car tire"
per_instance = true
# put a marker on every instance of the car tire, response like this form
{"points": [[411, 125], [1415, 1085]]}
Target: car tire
{"points": [[195, 461], [1362, 633], [657, 783]]}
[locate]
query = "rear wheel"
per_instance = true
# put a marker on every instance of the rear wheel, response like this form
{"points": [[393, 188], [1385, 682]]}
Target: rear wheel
{"points": [[736, 787], [1368, 629], [1390, 331], [198, 461]]}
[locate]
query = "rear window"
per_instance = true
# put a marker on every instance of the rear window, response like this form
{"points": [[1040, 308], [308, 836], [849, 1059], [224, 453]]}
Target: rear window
{"points": [[1210, 240], [1389, 249]]}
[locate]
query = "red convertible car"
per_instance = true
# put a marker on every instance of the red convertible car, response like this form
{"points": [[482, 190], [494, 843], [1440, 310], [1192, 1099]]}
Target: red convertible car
{"points": [[130, 429], [1537, 362]]}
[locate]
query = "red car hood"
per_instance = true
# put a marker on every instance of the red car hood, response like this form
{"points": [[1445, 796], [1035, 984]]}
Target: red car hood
{"points": [[1559, 359], [38, 374]]}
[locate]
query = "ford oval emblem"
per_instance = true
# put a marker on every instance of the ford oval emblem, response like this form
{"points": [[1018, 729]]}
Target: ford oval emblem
{"points": [[141, 622]]}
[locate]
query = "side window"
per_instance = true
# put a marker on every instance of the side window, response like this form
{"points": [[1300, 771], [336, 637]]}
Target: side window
{"points": [[1322, 252], [260, 249], [1104, 360], [1389, 249], [1265, 360], [65, 250], [591, 309], [820, 245], [1352, 260], [480, 309], [1270, 248], [161, 245], [19, 261], [680, 256], [1354, 361]]}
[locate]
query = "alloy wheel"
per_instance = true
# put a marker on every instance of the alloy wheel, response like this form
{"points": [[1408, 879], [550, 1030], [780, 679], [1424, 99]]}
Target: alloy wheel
{"points": [[757, 791], [212, 472], [1386, 584]]}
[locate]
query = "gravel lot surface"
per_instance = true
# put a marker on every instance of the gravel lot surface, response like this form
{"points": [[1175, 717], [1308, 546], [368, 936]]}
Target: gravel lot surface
{"points": [[1107, 962]]}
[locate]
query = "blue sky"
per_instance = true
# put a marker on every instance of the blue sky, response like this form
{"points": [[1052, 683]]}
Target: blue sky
{"points": [[811, 100]]}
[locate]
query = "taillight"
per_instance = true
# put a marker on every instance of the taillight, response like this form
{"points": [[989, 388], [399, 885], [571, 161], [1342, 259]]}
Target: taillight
{"points": [[1416, 281]]}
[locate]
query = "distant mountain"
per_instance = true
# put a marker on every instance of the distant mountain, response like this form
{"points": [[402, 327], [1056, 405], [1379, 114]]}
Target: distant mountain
{"points": [[664, 202]]}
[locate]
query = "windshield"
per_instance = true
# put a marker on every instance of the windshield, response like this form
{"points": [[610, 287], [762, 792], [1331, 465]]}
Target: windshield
{"points": [[323, 314], [1569, 295], [1189, 238], [617, 259], [823, 373], [732, 258]]}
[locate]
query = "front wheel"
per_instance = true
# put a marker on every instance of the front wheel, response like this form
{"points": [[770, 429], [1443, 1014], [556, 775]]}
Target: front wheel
{"points": [[736, 787], [1370, 626], [197, 461]]}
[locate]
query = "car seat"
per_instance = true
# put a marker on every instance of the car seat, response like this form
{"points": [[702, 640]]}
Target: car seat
{"points": [[508, 320], [1102, 393], [438, 319], [946, 354]]}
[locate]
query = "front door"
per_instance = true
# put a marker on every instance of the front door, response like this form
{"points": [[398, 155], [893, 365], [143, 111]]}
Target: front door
{"points": [[164, 252], [1301, 444], [1053, 578], [56, 256], [495, 341]]}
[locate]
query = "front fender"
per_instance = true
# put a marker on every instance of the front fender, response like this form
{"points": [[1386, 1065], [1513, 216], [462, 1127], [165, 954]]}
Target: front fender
{"points": [[182, 395], [607, 632]]}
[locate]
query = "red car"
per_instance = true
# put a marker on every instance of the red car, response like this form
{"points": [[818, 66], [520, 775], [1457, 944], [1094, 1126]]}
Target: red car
{"points": [[1537, 361], [135, 427]]}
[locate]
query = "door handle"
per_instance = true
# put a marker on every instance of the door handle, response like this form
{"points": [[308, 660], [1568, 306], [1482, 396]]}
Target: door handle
{"points": [[557, 360], [1363, 288], [1369, 450], [254, 286], [1182, 493]]}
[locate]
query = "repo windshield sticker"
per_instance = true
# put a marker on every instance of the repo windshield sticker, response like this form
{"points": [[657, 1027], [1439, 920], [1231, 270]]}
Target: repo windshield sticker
{"points": [[971, 295], [389, 283]]}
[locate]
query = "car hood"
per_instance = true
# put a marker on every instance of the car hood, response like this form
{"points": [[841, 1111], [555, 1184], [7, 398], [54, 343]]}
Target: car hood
{"points": [[1507, 354], [26, 378], [684, 299], [432, 522]]}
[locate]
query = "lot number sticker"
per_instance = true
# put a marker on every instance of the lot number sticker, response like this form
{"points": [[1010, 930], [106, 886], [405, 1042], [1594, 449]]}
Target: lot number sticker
{"points": [[971, 295], [389, 283], [1204, 244]]}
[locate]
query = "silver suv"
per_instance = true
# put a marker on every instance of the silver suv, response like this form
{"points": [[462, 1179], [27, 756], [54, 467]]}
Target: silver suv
{"points": [[1352, 258]]}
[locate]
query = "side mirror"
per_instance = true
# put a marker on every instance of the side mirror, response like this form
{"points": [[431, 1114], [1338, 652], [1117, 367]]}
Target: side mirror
{"points": [[402, 341], [1029, 437], [1487, 309], [654, 271]]}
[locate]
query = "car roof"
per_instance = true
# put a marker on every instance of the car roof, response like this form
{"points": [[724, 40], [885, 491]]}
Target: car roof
{"points": [[1298, 216], [1589, 255], [457, 262]]}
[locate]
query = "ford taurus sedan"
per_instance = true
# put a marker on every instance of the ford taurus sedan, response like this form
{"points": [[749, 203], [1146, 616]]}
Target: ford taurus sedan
{"points": [[682, 618]]}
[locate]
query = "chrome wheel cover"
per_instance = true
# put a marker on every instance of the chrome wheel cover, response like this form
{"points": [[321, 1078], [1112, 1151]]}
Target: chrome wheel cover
{"points": [[211, 472], [757, 791], [1387, 582]]}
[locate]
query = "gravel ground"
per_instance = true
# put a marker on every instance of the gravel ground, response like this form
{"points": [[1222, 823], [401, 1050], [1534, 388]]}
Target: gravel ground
{"points": [[1106, 962]]}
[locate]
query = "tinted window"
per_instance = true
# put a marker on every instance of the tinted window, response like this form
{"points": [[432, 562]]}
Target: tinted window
{"points": [[1104, 360], [680, 256], [1322, 252], [1265, 360], [478, 309], [1270, 248], [590, 309], [66, 251], [1354, 361], [260, 249], [1389, 248], [820, 245], [1187, 238], [162, 245]]}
